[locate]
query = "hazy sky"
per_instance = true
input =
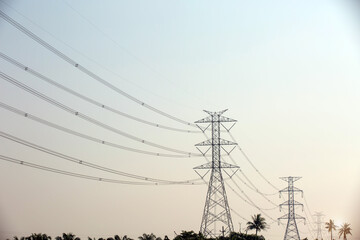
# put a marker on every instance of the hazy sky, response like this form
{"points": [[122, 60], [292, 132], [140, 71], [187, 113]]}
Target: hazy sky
{"points": [[288, 71]]}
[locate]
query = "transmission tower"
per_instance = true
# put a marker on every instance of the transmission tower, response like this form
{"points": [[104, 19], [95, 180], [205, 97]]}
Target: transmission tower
{"points": [[291, 228], [216, 210], [319, 222]]}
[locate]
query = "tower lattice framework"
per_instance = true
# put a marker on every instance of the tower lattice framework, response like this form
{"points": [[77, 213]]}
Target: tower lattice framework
{"points": [[319, 222], [292, 232], [216, 214]]}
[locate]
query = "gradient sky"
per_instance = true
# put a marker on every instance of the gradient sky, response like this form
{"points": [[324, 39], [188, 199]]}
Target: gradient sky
{"points": [[288, 71]]}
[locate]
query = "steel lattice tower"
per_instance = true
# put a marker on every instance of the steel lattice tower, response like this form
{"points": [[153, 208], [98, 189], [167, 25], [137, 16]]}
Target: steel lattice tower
{"points": [[318, 222], [291, 228], [216, 210]]}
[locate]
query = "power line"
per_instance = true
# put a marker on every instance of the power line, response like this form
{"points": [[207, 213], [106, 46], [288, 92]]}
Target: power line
{"points": [[92, 60], [87, 99], [117, 44], [307, 207], [85, 70], [88, 164], [242, 191], [88, 177], [81, 135], [255, 189], [309, 225], [248, 201], [251, 203], [85, 117], [248, 159]]}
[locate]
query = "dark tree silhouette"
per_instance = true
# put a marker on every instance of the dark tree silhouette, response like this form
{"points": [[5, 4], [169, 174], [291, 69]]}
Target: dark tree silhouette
{"points": [[67, 236], [258, 223], [330, 226], [345, 230], [189, 235], [147, 237]]}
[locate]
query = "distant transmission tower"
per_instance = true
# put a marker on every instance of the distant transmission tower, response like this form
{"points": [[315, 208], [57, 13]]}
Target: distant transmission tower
{"points": [[291, 228], [319, 222], [216, 210]]}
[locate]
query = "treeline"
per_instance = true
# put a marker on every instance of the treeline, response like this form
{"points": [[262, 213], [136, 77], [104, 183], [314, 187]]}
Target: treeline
{"points": [[185, 235]]}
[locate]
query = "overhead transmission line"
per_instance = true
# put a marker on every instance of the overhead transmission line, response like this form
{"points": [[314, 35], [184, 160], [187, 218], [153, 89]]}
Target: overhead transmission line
{"points": [[117, 44], [92, 60], [248, 159], [89, 164], [87, 71], [87, 99], [94, 76], [85, 117], [250, 202], [310, 219], [89, 177], [84, 136], [247, 200], [252, 187], [255, 189]]}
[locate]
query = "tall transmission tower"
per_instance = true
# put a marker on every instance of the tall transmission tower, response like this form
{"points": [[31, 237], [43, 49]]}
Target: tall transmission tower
{"points": [[216, 210], [319, 222], [291, 228]]}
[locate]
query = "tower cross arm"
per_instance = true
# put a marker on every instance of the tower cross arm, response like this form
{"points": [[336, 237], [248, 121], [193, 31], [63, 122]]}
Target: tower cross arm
{"points": [[294, 189], [210, 166], [297, 216], [287, 179], [288, 203], [221, 142], [205, 143], [284, 217], [226, 119], [205, 120], [226, 142]]}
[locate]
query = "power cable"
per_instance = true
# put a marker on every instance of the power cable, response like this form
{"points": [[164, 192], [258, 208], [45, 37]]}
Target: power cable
{"points": [[117, 44], [85, 117], [255, 189], [271, 202], [85, 70], [307, 206], [84, 136], [88, 177], [87, 99], [92, 60], [248, 159], [249, 201], [88, 164]]}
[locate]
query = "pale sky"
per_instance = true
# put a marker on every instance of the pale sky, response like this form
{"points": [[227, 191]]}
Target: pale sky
{"points": [[288, 71]]}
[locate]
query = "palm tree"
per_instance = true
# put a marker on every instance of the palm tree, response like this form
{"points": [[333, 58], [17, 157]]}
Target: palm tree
{"points": [[344, 230], [125, 237], [68, 236], [258, 223], [330, 226], [147, 237], [188, 235]]}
